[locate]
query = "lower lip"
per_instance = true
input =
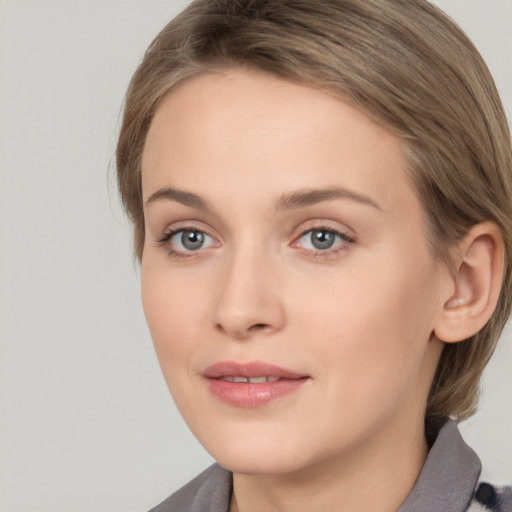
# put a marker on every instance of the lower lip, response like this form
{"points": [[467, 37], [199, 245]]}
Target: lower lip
{"points": [[252, 395]]}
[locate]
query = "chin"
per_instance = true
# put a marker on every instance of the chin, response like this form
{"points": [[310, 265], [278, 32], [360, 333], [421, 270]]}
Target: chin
{"points": [[258, 454], [258, 464]]}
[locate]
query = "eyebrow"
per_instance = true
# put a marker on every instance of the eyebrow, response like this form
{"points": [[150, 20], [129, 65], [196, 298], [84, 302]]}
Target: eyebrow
{"points": [[286, 202], [311, 197], [186, 198]]}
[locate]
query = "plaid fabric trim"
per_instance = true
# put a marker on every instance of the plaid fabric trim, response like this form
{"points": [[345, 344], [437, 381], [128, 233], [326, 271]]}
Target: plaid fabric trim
{"points": [[489, 498]]}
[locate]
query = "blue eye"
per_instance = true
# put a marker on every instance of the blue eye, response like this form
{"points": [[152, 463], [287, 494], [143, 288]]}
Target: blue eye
{"points": [[323, 239], [189, 240]]}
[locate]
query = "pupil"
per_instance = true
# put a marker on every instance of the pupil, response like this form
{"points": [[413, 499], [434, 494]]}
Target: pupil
{"points": [[192, 240], [322, 239]]}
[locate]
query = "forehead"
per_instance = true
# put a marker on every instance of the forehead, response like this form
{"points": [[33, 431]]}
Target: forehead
{"points": [[252, 128]]}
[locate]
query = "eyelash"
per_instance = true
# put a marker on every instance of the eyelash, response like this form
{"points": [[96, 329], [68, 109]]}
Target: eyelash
{"points": [[341, 237], [164, 241], [316, 253]]}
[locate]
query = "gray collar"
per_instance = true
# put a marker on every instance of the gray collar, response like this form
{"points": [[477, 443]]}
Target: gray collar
{"points": [[449, 476]]}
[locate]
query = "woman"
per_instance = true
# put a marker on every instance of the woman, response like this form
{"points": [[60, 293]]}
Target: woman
{"points": [[321, 198]]}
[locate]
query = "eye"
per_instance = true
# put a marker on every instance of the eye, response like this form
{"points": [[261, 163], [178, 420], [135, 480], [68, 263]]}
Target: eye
{"points": [[322, 239], [187, 241]]}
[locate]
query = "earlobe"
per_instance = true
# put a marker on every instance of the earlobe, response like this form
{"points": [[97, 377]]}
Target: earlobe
{"points": [[477, 284]]}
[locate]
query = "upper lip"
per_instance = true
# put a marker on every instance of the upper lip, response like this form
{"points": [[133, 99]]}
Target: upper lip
{"points": [[250, 369]]}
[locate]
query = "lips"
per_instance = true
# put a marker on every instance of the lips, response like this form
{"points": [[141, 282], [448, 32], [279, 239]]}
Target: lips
{"points": [[251, 384], [249, 380]]}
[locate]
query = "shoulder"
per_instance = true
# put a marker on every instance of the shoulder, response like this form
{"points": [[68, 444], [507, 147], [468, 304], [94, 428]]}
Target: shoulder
{"points": [[210, 491], [489, 498]]}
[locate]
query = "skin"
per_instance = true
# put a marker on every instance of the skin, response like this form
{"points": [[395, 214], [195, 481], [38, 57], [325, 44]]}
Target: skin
{"points": [[357, 318]]}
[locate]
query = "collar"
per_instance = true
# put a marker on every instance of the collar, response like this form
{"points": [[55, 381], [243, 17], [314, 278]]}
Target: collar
{"points": [[450, 474]]}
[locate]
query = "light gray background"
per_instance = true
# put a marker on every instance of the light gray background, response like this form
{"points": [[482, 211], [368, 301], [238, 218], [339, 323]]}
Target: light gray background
{"points": [[86, 423]]}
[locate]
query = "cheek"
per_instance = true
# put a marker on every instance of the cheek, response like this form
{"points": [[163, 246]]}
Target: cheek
{"points": [[371, 326], [174, 311]]}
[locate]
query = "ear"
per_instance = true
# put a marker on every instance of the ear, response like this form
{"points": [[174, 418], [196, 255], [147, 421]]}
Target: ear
{"points": [[477, 283]]}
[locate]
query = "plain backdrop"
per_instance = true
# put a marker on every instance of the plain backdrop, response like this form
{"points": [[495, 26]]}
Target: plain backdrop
{"points": [[86, 422]]}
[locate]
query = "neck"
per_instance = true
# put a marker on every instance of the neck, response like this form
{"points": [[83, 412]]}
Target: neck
{"points": [[378, 478]]}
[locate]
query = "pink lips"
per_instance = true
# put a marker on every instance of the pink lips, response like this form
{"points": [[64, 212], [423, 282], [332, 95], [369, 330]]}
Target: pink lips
{"points": [[251, 384]]}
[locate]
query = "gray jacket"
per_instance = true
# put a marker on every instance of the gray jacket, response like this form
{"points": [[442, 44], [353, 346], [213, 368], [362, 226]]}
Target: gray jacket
{"points": [[447, 483]]}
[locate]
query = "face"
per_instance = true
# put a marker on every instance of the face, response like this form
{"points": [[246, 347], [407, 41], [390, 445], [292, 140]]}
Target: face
{"points": [[286, 277]]}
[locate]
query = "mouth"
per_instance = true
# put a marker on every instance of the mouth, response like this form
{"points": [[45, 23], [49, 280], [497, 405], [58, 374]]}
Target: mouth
{"points": [[248, 380], [252, 384]]}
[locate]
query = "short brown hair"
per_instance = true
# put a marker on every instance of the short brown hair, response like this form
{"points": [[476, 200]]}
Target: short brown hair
{"points": [[406, 65]]}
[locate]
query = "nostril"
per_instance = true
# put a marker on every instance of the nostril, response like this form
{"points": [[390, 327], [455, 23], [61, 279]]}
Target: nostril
{"points": [[258, 327]]}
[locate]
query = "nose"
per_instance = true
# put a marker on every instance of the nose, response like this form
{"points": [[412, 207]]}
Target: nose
{"points": [[249, 299]]}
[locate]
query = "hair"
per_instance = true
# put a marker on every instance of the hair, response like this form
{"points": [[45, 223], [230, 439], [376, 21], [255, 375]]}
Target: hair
{"points": [[406, 65]]}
